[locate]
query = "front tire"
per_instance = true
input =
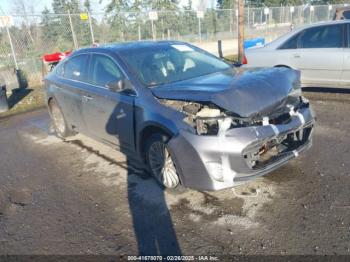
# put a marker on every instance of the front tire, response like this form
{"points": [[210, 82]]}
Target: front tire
{"points": [[160, 162], [59, 122]]}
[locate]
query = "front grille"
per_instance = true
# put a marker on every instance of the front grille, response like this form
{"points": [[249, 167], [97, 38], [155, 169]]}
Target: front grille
{"points": [[264, 153]]}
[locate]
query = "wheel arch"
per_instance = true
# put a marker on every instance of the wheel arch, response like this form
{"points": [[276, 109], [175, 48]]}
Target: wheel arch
{"points": [[285, 66], [147, 131], [49, 100]]}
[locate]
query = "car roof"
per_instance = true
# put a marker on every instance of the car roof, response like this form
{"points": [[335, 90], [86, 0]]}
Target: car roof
{"points": [[323, 23], [122, 46], [277, 42], [343, 8]]}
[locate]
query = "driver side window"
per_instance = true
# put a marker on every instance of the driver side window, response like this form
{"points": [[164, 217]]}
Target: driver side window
{"points": [[104, 70], [329, 36]]}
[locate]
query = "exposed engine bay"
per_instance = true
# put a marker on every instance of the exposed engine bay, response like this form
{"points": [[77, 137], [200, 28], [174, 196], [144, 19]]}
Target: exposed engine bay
{"points": [[206, 118]]}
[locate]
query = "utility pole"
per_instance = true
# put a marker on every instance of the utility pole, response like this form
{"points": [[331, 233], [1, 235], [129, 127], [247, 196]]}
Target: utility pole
{"points": [[240, 30]]}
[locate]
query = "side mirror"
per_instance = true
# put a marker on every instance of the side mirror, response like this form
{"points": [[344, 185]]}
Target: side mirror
{"points": [[116, 86], [233, 63], [121, 85], [236, 64]]}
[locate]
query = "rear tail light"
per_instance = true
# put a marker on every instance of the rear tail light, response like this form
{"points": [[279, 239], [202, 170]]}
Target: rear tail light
{"points": [[244, 60]]}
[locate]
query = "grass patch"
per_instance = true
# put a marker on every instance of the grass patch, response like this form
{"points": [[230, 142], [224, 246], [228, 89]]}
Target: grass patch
{"points": [[231, 58], [23, 100]]}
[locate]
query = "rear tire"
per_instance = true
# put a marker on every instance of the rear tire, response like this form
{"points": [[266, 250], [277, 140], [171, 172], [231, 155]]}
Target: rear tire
{"points": [[59, 122], [160, 162]]}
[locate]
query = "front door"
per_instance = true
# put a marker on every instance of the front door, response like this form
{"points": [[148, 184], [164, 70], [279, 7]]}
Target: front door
{"points": [[108, 115]]}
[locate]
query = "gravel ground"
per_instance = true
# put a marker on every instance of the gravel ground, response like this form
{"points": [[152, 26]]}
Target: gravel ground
{"points": [[81, 197]]}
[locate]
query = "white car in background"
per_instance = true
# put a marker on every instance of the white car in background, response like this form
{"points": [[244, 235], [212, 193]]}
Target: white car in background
{"points": [[320, 51]]}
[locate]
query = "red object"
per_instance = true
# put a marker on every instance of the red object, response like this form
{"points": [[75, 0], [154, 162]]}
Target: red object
{"points": [[56, 57], [244, 60]]}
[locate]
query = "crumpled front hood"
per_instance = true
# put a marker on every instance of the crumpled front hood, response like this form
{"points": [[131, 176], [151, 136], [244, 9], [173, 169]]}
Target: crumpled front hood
{"points": [[245, 92]]}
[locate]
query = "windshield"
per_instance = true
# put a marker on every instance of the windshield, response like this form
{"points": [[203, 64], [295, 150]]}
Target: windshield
{"points": [[162, 64]]}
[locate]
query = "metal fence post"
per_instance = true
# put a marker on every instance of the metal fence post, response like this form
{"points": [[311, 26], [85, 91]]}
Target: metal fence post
{"points": [[281, 13], [199, 29], [153, 34], [12, 47], [91, 29], [72, 29], [248, 16], [139, 31], [231, 22]]}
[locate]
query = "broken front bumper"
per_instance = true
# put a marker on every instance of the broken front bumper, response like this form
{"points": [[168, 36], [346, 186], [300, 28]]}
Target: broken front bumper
{"points": [[232, 157]]}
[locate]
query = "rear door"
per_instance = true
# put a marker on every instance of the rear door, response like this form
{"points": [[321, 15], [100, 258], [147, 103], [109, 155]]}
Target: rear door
{"points": [[108, 115], [319, 55], [72, 77]]}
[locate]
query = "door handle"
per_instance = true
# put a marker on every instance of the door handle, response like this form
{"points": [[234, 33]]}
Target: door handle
{"points": [[87, 98], [296, 56]]}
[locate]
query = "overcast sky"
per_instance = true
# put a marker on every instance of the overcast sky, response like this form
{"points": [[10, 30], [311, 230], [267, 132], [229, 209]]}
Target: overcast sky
{"points": [[8, 6]]}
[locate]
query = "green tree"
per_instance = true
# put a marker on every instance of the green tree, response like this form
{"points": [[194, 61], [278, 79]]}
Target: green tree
{"points": [[87, 5], [115, 11], [137, 21], [49, 29], [189, 25], [168, 23], [225, 4]]}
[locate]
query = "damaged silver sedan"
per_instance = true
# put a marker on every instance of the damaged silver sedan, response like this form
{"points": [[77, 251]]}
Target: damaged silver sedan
{"points": [[192, 118]]}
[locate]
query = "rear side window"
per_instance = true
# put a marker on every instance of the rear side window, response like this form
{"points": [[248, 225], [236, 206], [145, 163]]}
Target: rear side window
{"points": [[291, 43], [346, 14], [330, 36], [104, 70], [76, 68], [59, 69]]}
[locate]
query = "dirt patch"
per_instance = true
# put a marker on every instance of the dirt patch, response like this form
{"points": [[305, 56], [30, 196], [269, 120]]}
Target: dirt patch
{"points": [[11, 201], [4, 202], [98, 154], [20, 197]]}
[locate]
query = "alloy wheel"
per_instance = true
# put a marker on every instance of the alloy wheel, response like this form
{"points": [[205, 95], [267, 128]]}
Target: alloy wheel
{"points": [[162, 165]]}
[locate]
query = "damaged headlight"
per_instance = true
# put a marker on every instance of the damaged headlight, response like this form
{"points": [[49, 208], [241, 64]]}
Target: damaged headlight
{"points": [[204, 118], [296, 90], [207, 121]]}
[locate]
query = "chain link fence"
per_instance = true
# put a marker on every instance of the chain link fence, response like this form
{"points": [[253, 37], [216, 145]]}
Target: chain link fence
{"points": [[34, 35]]}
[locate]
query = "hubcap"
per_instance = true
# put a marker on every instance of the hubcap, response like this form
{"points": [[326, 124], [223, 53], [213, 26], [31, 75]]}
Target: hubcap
{"points": [[162, 165], [58, 120]]}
